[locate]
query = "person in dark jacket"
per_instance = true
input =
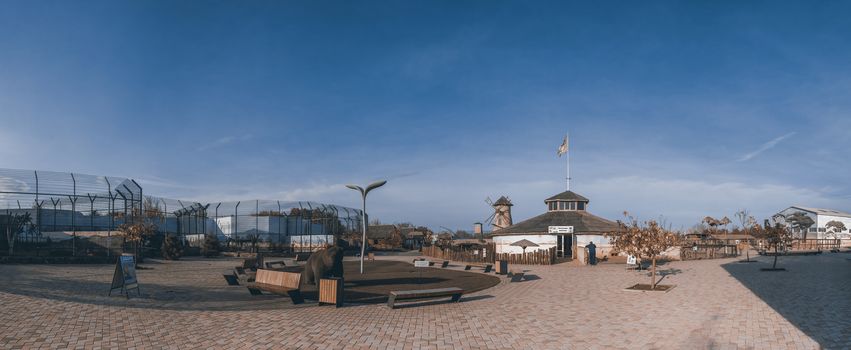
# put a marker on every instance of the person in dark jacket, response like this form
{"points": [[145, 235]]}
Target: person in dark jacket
{"points": [[592, 253]]}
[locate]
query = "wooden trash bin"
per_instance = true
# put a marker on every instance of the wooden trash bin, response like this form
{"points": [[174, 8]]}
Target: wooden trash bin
{"points": [[331, 291], [370, 256], [502, 267]]}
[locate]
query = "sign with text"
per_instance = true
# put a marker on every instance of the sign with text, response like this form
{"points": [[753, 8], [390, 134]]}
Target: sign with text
{"points": [[124, 277], [630, 260], [421, 263], [561, 229]]}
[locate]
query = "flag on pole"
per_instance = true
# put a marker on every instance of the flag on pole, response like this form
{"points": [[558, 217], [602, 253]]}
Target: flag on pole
{"points": [[563, 148]]}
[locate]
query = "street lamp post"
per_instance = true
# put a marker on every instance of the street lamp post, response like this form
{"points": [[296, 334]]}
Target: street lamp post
{"points": [[363, 193]]}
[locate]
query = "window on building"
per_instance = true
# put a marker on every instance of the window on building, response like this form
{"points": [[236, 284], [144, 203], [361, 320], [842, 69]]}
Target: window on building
{"points": [[572, 205], [580, 206], [560, 205]]}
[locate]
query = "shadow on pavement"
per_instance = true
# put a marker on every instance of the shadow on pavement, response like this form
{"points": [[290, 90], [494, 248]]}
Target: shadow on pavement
{"points": [[813, 294]]}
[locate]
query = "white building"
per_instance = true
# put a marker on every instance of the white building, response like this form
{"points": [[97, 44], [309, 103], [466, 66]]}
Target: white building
{"points": [[566, 225], [820, 217]]}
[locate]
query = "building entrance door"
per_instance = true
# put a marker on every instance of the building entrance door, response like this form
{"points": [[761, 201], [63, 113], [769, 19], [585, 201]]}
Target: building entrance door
{"points": [[564, 245], [560, 246]]}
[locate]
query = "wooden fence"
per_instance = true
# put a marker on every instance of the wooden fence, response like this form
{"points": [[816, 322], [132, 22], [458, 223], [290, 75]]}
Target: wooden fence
{"points": [[537, 257], [815, 244], [485, 254], [707, 251]]}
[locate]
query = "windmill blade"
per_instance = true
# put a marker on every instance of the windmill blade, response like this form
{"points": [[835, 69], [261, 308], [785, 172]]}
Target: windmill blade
{"points": [[489, 220], [489, 201]]}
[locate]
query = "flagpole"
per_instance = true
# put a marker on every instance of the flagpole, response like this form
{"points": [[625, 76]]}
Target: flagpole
{"points": [[567, 138]]}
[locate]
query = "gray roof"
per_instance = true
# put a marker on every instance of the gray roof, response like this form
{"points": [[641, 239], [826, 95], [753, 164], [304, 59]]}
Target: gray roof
{"points": [[582, 222], [503, 201], [525, 243], [567, 196], [820, 211]]}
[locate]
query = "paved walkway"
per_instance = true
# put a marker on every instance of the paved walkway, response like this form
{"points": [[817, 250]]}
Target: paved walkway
{"points": [[717, 304]]}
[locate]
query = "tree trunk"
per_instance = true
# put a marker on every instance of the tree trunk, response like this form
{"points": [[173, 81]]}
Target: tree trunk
{"points": [[10, 240], [774, 266], [653, 274]]}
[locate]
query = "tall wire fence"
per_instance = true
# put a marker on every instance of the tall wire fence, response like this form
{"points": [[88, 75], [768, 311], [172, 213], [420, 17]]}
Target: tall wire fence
{"points": [[66, 206]]}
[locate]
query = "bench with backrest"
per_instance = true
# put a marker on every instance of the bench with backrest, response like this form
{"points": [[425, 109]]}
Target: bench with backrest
{"points": [[487, 267], [278, 282], [515, 276], [244, 275], [275, 265], [395, 295], [444, 264]]}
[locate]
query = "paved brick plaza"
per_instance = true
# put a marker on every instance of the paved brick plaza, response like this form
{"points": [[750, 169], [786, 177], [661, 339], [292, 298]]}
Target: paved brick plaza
{"points": [[186, 304]]}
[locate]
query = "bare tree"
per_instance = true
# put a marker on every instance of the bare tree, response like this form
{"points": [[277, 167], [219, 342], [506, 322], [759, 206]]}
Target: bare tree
{"points": [[645, 240], [777, 236], [15, 224]]}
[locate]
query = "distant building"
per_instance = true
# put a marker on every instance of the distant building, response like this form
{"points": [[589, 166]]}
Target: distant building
{"points": [[567, 226], [821, 217], [384, 236]]}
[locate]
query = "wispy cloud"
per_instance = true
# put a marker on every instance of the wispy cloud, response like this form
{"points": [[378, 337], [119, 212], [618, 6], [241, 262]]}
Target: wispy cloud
{"points": [[225, 140], [765, 146]]}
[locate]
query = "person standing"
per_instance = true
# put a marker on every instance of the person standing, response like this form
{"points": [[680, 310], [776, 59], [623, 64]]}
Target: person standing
{"points": [[592, 253]]}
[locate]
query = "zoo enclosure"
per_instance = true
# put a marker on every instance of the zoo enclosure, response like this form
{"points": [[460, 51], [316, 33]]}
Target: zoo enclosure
{"points": [[66, 206]]}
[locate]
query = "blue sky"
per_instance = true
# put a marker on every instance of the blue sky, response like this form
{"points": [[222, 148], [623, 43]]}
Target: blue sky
{"points": [[679, 109]]}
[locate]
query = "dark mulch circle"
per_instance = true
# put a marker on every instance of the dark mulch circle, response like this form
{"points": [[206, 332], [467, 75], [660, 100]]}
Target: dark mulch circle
{"points": [[641, 287], [381, 277]]}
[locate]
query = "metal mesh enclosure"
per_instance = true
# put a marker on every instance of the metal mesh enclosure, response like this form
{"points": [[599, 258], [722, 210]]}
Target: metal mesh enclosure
{"points": [[302, 226], [64, 205], [60, 202]]}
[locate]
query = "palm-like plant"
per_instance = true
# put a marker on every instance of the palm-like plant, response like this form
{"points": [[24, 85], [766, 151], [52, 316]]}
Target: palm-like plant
{"points": [[801, 221]]}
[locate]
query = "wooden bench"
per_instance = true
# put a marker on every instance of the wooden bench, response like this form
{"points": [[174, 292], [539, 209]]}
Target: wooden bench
{"points": [[515, 276], [231, 279], [486, 267], [278, 282], [243, 275], [275, 265], [453, 292]]}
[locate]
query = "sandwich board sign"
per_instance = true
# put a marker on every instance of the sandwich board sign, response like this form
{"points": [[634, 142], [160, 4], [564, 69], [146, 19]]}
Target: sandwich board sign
{"points": [[560, 229], [630, 260], [124, 277]]}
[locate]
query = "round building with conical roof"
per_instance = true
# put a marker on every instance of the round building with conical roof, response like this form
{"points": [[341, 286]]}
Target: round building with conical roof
{"points": [[566, 226]]}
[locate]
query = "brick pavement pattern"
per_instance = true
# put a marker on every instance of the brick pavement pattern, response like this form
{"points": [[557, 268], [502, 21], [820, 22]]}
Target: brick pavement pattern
{"points": [[717, 304]]}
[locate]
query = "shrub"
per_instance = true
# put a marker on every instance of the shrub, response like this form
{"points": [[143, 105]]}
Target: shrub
{"points": [[172, 248], [211, 246]]}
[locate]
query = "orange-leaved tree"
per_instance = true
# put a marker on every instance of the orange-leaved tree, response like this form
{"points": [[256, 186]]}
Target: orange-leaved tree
{"points": [[646, 240], [139, 232]]}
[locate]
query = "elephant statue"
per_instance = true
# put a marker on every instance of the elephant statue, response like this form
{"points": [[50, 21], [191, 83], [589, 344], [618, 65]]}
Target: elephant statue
{"points": [[323, 263]]}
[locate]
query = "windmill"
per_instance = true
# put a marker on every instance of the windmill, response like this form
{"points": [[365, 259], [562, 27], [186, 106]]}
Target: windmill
{"points": [[501, 217]]}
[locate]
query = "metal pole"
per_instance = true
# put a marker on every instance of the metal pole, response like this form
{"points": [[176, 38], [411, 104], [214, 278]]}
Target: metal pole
{"points": [[363, 225]]}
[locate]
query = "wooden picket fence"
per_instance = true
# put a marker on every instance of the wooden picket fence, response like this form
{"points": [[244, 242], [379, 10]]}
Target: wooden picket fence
{"points": [[483, 255], [814, 244], [537, 257], [707, 251]]}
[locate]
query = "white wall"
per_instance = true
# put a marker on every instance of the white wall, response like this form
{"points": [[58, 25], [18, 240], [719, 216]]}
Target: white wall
{"points": [[602, 242], [821, 222]]}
